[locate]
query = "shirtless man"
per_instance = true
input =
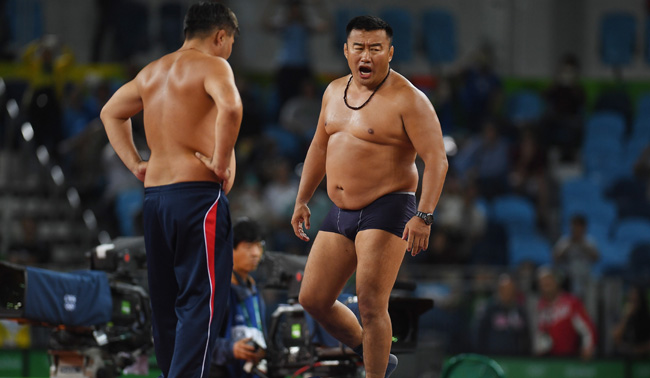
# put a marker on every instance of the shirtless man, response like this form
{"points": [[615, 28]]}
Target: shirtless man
{"points": [[192, 114], [372, 125]]}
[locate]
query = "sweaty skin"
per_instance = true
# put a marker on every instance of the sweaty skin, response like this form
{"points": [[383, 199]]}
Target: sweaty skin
{"points": [[367, 153], [191, 105]]}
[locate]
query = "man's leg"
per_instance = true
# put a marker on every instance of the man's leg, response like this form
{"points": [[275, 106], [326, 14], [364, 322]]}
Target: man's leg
{"points": [[162, 285], [379, 255], [331, 262]]}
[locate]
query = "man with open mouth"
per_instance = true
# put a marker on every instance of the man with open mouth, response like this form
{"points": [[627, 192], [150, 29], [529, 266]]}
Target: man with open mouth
{"points": [[372, 125]]}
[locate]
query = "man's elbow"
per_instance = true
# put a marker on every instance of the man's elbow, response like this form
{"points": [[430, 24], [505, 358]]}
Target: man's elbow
{"points": [[232, 113], [444, 166]]}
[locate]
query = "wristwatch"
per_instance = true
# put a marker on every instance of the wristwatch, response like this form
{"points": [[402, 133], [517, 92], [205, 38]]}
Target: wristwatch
{"points": [[426, 217]]}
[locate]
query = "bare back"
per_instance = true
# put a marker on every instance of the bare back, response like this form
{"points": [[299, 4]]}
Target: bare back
{"points": [[179, 117], [369, 153]]}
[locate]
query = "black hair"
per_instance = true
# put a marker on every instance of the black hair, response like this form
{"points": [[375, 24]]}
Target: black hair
{"points": [[369, 23], [204, 17], [246, 230]]}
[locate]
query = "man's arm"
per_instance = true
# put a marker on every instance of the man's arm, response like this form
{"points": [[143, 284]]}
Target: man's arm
{"points": [[313, 172], [220, 85], [423, 128], [116, 117]]}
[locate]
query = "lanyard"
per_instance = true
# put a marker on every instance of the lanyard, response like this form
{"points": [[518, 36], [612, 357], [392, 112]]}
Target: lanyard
{"points": [[256, 307]]}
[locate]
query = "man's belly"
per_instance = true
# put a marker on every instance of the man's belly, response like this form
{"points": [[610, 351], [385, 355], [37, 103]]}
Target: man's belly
{"points": [[354, 187]]}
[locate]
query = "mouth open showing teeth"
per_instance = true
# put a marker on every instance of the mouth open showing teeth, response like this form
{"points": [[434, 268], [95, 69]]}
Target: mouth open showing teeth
{"points": [[365, 71]]}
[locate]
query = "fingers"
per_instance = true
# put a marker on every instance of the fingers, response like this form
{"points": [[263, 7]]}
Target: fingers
{"points": [[301, 233], [204, 159]]}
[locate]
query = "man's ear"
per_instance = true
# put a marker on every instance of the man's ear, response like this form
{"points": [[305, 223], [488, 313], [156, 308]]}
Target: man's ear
{"points": [[345, 50], [219, 37], [390, 53]]}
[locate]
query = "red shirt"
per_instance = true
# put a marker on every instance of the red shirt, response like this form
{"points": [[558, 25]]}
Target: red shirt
{"points": [[567, 323]]}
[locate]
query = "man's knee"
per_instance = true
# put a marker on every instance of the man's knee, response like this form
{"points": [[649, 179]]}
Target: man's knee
{"points": [[371, 309], [309, 303]]}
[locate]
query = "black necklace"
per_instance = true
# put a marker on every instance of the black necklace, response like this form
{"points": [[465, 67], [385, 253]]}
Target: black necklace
{"points": [[345, 94]]}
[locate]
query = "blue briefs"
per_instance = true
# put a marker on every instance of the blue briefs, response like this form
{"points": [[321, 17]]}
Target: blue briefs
{"points": [[389, 213]]}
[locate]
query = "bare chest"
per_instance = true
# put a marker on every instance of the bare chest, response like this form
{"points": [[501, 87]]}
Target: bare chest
{"points": [[379, 121]]}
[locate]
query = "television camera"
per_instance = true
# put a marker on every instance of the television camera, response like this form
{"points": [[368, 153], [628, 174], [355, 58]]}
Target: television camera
{"points": [[298, 345], [100, 318]]}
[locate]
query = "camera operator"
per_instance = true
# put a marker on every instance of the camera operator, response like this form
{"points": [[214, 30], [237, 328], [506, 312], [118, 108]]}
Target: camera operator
{"points": [[243, 345]]}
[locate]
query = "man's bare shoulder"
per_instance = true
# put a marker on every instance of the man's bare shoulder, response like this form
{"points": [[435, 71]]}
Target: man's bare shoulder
{"points": [[335, 86], [406, 91]]}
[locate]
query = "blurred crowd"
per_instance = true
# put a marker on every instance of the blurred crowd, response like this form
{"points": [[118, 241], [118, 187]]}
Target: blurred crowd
{"points": [[499, 145]]}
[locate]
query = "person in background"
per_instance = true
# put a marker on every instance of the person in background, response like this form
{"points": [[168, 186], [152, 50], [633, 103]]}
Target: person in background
{"points": [[563, 326], [243, 344], [503, 326], [632, 333], [576, 253], [294, 23]]}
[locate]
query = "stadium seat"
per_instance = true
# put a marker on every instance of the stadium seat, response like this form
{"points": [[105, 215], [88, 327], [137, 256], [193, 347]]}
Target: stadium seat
{"points": [[516, 213], [632, 230], [580, 189], [605, 125], [525, 106], [603, 160], [492, 248], [439, 36], [402, 23], [529, 248], [600, 215], [613, 258], [643, 106], [617, 38]]}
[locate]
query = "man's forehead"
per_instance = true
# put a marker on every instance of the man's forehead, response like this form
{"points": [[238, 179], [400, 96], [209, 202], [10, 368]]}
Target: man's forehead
{"points": [[368, 36]]}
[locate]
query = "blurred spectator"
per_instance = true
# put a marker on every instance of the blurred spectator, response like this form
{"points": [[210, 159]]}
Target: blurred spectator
{"points": [[48, 63], [503, 327], [575, 254], [563, 326], [300, 113], [484, 158], [460, 217], [480, 90], [563, 122], [529, 177], [294, 22], [279, 197], [446, 103], [632, 333]]}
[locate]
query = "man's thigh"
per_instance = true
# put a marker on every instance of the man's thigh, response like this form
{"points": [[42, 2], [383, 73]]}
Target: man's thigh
{"points": [[331, 262], [379, 254]]}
